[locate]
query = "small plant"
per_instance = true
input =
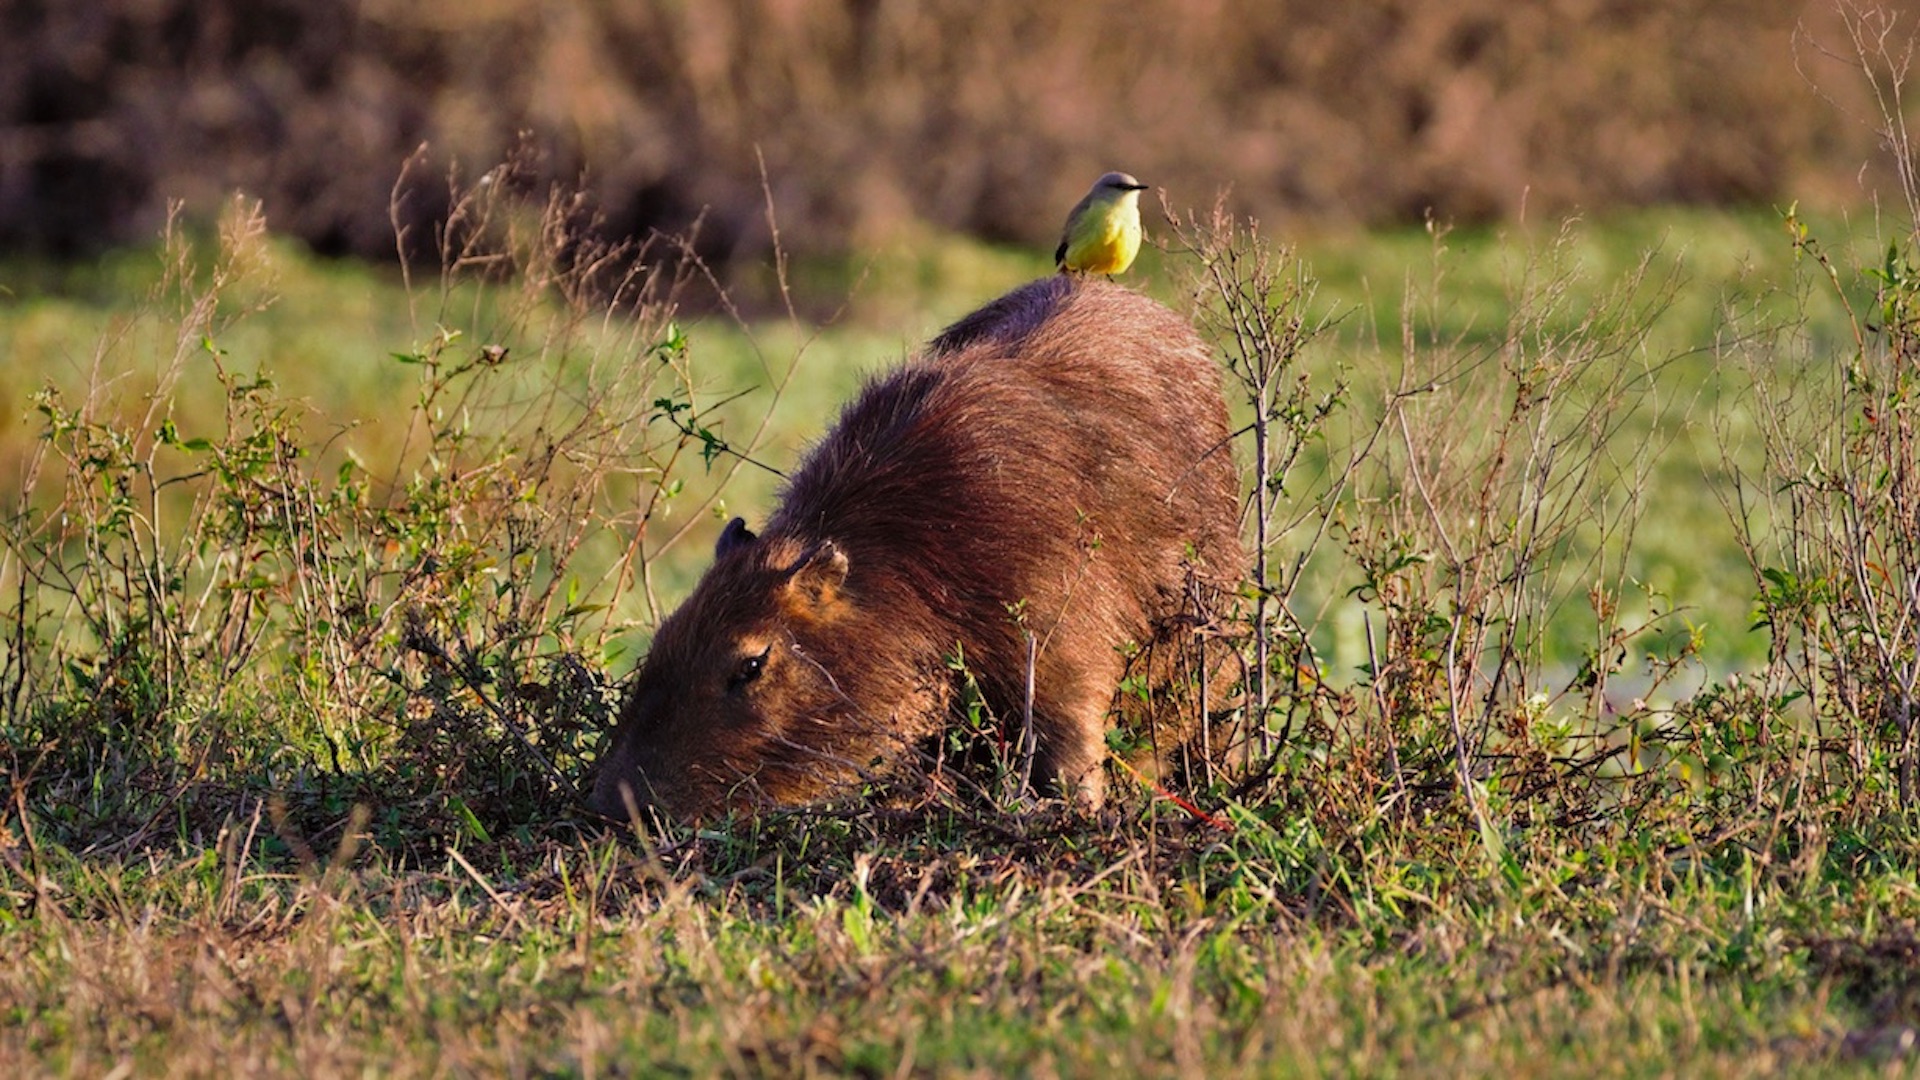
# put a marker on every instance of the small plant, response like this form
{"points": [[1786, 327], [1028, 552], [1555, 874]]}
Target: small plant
{"points": [[1254, 300]]}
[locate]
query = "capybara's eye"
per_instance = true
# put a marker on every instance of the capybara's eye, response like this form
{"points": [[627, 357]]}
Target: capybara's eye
{"points": [[749, 669]]}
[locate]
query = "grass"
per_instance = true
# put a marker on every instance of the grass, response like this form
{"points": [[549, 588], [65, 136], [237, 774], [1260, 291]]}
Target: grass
{"points": [[832, 946], [257, 824]]}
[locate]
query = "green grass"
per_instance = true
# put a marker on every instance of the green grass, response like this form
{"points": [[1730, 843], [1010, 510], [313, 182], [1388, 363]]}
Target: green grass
{"points": [[331, 863]]}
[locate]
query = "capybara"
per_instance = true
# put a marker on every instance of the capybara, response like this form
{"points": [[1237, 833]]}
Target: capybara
{"points": [[1056, 464]]}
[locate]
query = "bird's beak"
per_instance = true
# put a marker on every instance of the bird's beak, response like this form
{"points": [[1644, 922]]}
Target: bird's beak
{"points": [[1135, 187]]}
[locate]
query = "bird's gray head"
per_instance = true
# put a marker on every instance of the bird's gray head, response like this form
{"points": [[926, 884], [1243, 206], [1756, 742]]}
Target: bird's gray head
{"points": [[1118, 181]]}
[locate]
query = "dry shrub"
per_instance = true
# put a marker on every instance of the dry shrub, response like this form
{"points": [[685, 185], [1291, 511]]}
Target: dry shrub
{"points": [[1831, 523], [1474, 499]]}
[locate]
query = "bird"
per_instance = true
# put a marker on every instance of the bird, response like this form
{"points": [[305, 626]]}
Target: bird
{"points": [[1102, 234]]}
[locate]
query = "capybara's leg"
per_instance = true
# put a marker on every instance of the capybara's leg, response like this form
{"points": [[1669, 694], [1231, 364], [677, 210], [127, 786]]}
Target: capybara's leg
{"points": [[1073, 741]]}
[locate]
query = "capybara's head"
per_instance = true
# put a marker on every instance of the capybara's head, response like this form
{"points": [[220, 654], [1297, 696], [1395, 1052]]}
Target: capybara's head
{"points": [[736, 704]]}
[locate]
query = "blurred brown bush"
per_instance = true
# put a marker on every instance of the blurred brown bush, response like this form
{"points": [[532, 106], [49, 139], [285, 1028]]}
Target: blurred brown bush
{"points": [[988, 116]]}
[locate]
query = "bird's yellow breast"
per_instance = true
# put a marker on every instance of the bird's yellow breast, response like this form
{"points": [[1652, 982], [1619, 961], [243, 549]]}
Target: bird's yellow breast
{"points": [[1111, 252], [1104, 240]]}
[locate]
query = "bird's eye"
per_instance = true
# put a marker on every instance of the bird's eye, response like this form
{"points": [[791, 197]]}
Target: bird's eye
{"points": [[749, 669]]}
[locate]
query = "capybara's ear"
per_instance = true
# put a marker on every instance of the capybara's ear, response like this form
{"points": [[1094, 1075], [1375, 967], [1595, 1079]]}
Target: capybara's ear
{"points": [[735, 535], [818, 574]]}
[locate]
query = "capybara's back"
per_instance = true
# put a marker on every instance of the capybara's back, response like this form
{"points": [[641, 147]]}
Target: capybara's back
{"points": [[1056, 465]]}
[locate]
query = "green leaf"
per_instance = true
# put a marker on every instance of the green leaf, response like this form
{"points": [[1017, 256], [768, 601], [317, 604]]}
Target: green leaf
{"points": [[469, 824]]}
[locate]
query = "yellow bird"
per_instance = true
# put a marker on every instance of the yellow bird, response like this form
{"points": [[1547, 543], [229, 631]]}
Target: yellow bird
{"points": [[1103, 230]]}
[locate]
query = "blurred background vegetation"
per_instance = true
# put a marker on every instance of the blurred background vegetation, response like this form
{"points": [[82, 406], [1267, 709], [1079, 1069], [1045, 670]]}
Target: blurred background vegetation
{"points": [[875, 118]]}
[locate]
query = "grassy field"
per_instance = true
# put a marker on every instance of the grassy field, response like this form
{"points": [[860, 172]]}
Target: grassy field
{"points": [[320, 582]]}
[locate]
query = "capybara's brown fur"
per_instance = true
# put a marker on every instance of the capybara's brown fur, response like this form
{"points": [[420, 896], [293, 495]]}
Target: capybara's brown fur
{"points": [[1057, 463]]}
